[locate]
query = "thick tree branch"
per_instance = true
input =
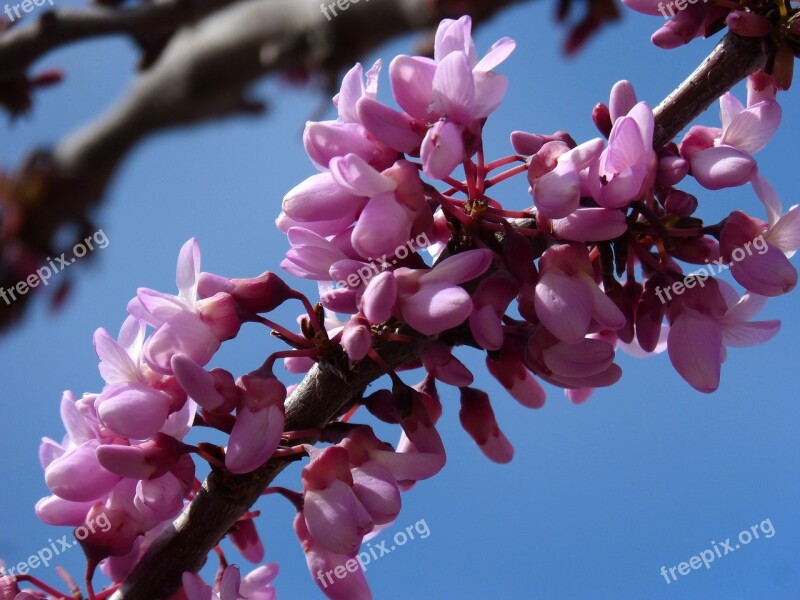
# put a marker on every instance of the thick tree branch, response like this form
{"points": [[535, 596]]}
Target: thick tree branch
{"points": [[202, 74], [22, 46], [733, 59], [322, 394]]}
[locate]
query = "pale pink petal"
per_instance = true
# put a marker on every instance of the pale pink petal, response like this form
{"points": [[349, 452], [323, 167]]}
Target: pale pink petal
{"points": [[752, 128], [557, 193], [436, 307], [393, 128], [722, 166], [188, 270], [356, 176], [694, 345], [254, 438], [461, 267], [583, 359], [767, 274], [454, 87], [743, 335], [591, 224], [442, 149], [382, 227], [786, 232], [729, 107], [376, 488], [563, 306], [412, 85], [321, 198], [622, 100], [379, 298], [499, 51], [454, 36], [327, 139], [335, 518], [745, 308], [769, 198], [134, 411], [490, 88]]}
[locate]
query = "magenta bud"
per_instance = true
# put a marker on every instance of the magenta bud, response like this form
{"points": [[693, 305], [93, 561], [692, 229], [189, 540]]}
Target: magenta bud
{"points": [[748, 24], [477, 419], [680, 203], [601, 117], [245, 539], [650, 313], [382, 405], [263, 293], [357, 338], [671, 170]]}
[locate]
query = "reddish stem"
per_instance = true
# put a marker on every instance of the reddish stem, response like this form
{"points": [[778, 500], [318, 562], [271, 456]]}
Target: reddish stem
{"points": [[289, 335], [502, 162], [507, 175]]}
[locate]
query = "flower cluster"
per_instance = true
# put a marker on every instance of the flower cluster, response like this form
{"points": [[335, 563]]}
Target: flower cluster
{"points": [[124, 455], [548, 291]]}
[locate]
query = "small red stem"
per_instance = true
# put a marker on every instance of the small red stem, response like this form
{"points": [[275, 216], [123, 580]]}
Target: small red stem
{"points": [[502, 162], [506, 175]]}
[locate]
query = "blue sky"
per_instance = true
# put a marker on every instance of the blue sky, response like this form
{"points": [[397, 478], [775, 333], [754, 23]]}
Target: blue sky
{"points": [[598, 497]]}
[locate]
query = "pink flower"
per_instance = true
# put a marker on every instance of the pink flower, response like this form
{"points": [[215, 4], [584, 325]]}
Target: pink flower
{"points": [[335, 517], [757, 264], [450, 92], [626, 169], [703, 321], [567, 300], [183, 323], [722, 158], [129, 405], [554, 175], [430, 300], [259, 423], [322, 564], [327, 140]]}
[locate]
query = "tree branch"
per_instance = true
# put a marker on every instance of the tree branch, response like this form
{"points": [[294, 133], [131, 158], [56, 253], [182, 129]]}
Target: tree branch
{"points": [[320, 397], [322, 394], [202, 74], [733, 59]]}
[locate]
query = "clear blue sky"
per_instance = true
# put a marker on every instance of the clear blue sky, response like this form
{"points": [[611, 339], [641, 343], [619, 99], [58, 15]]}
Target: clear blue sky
{"points": [[598, 496]]}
